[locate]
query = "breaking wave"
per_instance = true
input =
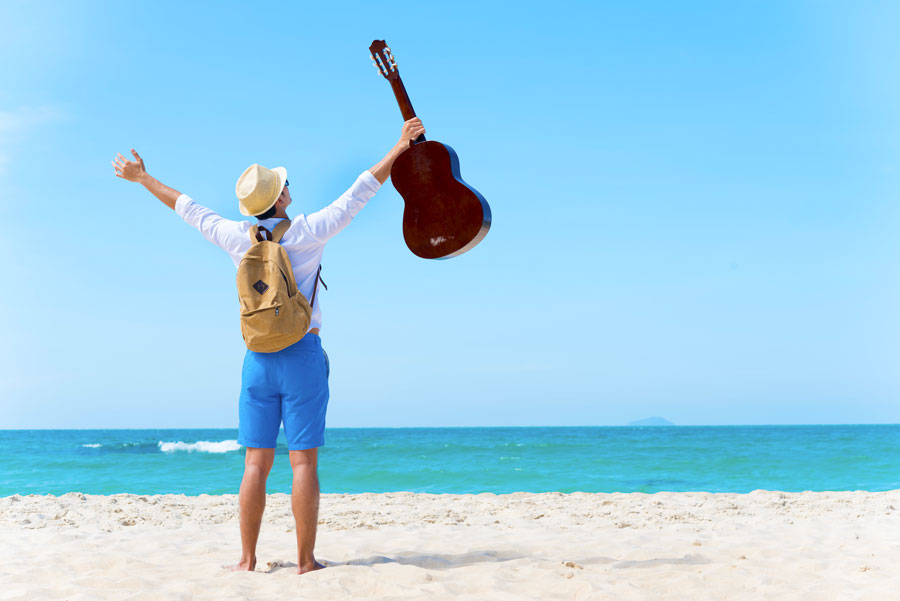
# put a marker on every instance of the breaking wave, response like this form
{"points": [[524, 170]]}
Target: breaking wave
{"points": [[202, 446]]}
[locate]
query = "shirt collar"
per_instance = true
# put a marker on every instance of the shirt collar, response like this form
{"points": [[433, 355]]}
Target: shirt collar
{"points": [[270, 223]]}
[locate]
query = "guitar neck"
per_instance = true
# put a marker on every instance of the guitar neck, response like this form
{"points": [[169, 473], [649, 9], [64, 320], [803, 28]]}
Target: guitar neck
{"points": [[406, 107]]}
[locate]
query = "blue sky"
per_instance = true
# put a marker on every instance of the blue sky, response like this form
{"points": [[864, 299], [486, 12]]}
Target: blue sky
{"points": [[694, 209]]}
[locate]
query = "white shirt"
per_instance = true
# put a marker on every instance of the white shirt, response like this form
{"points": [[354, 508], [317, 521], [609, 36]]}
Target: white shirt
{"points": [[304, 241]]}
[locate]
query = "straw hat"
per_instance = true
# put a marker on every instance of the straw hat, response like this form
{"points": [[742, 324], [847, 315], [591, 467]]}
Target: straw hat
{"points": [[258, 188]]}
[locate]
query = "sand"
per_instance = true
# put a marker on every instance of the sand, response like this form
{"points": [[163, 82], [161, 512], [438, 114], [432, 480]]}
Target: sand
{"points": [[761, 545]]}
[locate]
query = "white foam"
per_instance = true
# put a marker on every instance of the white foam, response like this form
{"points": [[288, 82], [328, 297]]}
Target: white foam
{"points": [[92, 446], [202, 446]]}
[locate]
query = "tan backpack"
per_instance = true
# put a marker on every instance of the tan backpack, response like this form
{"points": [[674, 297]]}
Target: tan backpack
{"points": [[274, 315]]}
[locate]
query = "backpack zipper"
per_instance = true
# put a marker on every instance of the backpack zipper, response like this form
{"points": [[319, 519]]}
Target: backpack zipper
{"points": [[286, 285]]}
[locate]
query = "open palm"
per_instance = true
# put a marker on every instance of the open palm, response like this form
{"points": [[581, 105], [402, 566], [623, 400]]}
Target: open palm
{"points": [[130, 170]]}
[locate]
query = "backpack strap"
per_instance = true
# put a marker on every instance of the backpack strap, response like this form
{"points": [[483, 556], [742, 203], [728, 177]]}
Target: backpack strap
{"points": [[259, 233], [316, 286], [280, 229]]}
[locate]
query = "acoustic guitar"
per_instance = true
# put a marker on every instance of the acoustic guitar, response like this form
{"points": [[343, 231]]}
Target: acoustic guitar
{"points": [[443, 216]]}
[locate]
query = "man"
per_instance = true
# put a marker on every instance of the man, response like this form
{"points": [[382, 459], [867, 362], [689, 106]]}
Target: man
{"points": [[291, 385]]}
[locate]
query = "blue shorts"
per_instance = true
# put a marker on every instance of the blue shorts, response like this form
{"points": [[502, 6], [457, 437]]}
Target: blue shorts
{"points": [[290, 385]]}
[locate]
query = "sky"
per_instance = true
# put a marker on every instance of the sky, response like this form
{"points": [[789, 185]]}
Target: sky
{"points": [[694, 209]]}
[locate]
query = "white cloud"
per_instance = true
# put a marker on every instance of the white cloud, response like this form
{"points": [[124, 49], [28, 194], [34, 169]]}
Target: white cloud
{"points": [[15, 125], [26, 117]]}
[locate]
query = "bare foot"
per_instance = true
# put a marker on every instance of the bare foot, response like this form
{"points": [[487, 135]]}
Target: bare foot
{"points": [[245, 565], [315, 565]]}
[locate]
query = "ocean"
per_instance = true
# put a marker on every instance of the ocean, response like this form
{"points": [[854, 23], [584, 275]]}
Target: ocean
{"points": [[465, 460]]}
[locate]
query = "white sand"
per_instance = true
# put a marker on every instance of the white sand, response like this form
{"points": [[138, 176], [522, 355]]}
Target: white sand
{"points": [[685, 546]]}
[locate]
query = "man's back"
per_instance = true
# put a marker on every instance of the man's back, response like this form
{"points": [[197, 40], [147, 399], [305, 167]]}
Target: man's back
{"points": [[304, 241]]}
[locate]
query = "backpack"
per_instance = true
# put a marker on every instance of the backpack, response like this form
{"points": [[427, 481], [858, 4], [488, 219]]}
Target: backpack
{"points": [[274, 315]]}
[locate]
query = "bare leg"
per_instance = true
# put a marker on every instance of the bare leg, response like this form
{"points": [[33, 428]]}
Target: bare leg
{"points": [[305, 504], [252, 498]]}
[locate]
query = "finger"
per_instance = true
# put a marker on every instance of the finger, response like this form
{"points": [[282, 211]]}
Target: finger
{"points": [[119, 154], [136, 155]]}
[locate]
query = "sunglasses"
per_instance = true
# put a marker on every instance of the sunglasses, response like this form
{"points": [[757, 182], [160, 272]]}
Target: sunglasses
{"points": [[286, 183]]}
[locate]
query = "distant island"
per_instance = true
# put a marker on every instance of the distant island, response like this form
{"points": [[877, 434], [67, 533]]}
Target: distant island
{"points": [[651, 421]]}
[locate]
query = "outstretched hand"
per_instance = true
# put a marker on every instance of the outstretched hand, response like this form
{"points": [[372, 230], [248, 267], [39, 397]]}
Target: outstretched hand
{"points": [[133, 171]]}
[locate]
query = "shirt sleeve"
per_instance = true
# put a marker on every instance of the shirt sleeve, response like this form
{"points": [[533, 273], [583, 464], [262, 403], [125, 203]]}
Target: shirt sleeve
{"points": [[329, 221], [228, 235]]}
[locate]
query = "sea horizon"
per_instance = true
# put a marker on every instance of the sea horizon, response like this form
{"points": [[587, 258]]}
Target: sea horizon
{"points": [[790, 425]]}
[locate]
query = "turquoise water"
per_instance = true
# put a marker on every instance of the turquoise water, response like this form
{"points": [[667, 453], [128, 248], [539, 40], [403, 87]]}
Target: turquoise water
{"points": [[465, 460]]}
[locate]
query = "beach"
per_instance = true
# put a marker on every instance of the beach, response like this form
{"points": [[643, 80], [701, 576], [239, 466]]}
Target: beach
{"points": [[667, 545]]}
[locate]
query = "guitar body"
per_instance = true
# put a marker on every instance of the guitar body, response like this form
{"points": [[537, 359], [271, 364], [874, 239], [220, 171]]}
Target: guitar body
{"points": [[443, 217]]}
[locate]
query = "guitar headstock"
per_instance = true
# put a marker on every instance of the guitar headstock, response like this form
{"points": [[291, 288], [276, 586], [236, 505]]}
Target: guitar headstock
{"points": [[383, 59]]}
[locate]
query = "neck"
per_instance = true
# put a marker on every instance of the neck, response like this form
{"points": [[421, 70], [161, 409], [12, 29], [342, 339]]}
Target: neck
{"points": [[279, 214]]}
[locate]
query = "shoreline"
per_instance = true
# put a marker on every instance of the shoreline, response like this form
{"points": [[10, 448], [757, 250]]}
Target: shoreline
{"points": [[406, 508], [666, 545]]}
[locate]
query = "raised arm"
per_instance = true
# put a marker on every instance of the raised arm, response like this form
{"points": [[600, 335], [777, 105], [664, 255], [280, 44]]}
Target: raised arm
{"points": [[411, 130], [134, 171], [230, 236], [329, 221]]}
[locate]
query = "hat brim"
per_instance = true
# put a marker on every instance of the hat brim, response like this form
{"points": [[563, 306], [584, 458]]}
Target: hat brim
{"points": [[281, 178]]}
